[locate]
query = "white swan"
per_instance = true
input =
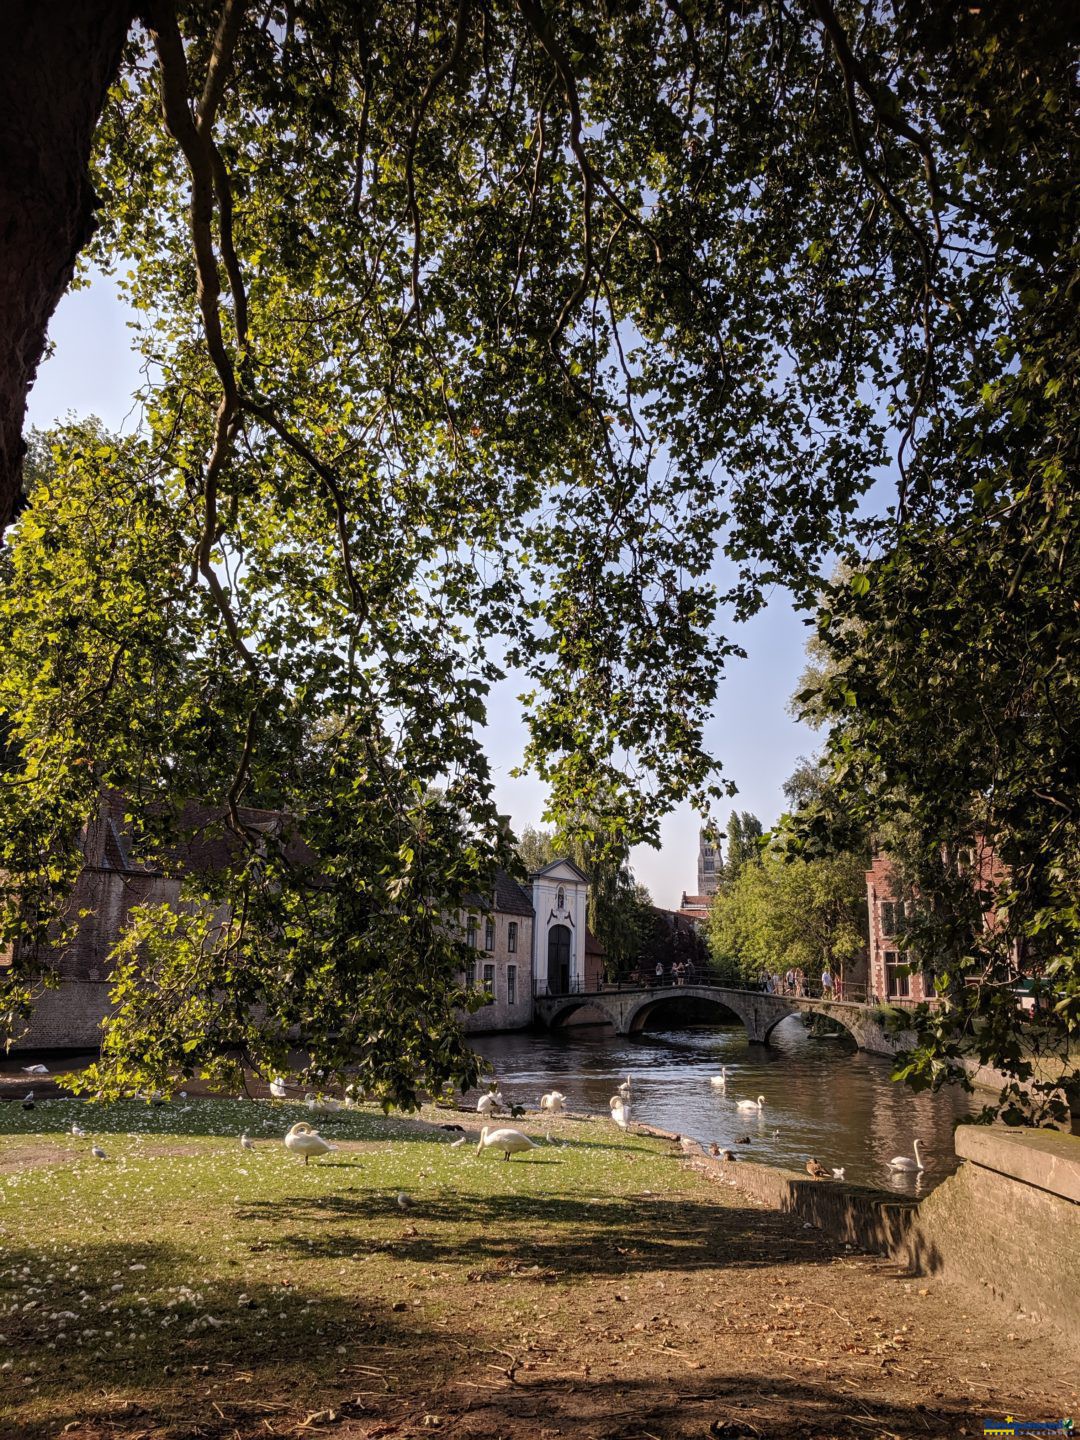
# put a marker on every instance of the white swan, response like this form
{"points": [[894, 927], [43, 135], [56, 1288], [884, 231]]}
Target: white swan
{"points": [[553, 1103], [510, 1142], [303, 1140], [277, 1087], [751, 1104], [491, 1102], [720, 1081], [625, 1088], [905, 1162], [620, 1111], [322, 1104]]}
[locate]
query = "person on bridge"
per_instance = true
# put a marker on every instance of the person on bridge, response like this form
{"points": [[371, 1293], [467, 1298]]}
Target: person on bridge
{"points": [[800, 981], [659, 972], [827, 983], [789, 982]]}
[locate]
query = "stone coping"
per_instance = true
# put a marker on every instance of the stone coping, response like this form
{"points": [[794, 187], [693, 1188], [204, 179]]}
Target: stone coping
{"points": [[1047, 1159]]}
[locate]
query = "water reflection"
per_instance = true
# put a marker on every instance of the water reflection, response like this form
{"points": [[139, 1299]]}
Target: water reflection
{"points": [[822, 1097]]}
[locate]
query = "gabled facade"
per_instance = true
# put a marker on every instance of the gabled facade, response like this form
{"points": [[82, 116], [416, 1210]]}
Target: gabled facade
{"points": [[560, 896]]}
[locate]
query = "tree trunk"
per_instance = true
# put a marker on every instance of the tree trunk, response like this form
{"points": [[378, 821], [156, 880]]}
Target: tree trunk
{"points": [[59, 58]]}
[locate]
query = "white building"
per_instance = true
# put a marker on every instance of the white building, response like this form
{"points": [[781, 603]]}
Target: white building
{"points": [[527, 946]]}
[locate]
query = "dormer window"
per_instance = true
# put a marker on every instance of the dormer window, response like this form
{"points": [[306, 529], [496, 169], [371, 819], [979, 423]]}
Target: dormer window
{"points": [[560, 899]]}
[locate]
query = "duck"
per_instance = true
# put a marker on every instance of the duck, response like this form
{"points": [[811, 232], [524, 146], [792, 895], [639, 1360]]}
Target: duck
{"points": [[742, 1140], [553, 1103], [510, 1142], [625, 1088], [905, 1162], [620, 1111], [277, 1087], [720, 1081], [303, 1140], [815, 1169], [750, 1104], [490, 1103]]}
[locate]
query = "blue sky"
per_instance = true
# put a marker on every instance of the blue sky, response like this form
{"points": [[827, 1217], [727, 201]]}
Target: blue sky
{"points": [[93, 370]]}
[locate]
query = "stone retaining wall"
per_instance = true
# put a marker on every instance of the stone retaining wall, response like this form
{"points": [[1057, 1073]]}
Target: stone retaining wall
{"points": [[1005, 1228]]}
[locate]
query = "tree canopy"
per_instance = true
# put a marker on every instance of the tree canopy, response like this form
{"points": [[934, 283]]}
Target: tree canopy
{"points": [[471, 333]]}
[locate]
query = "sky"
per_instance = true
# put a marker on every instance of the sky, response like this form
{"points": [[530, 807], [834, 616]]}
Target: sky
{"points": [[93, 370]]}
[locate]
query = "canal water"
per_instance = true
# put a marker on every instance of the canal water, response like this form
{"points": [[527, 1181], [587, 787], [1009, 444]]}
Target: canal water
{"points": [[822, 1096]]}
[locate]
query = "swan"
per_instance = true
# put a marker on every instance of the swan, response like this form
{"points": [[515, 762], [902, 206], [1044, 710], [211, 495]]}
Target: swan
{"points": [[35, 1069], [277, 1087], [490, 1103], [510, 1142], [720, 1081], [303, 1140], [905, 1162], [625, 1088], [816, 1169], [322, 1104], [751, 1104], [620, 1111], [553, 1103]]}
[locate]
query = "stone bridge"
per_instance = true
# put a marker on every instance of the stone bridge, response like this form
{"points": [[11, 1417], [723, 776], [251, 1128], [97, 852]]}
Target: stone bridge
{"points": [[628, 1011]]}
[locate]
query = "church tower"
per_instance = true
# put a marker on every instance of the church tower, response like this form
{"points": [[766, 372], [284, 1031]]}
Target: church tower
{"points": [[709, 864]]}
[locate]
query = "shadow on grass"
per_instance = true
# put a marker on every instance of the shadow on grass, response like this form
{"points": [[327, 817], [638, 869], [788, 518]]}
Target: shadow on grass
{"points": [[552, 1236], [246, 1347]]}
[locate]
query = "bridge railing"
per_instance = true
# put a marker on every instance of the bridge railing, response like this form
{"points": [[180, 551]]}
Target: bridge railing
{"points": [[727, 979]]}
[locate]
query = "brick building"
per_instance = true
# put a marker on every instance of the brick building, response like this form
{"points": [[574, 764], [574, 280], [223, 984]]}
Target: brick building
{"points": [[887, 913], [112, 882]]}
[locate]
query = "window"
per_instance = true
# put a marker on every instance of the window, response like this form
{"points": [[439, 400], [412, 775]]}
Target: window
{"points": [[489, 935], [897, 979], [489, 983], [560, 899], [511, 981], [471, 933], [892, 916], [511, 937], [470, 974]]}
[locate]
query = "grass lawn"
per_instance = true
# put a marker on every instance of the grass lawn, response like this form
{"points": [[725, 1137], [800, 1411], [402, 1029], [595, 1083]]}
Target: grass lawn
{"points": [[599, 1287]]}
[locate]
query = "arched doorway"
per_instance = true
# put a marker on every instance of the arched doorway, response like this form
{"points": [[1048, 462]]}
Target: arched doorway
{"points": [[558, 970]]}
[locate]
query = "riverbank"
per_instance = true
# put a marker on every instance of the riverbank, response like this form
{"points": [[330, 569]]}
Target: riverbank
{"points": [[597, 1287]]}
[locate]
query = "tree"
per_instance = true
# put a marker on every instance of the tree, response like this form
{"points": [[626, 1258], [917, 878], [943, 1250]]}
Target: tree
{"points": [[781, 914], [743, 833], [481, 327]]}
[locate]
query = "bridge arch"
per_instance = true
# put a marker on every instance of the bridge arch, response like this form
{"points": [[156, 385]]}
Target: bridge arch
{"points": [[638, 1017], [558, 1013], [849, 1024]]}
